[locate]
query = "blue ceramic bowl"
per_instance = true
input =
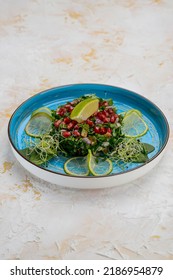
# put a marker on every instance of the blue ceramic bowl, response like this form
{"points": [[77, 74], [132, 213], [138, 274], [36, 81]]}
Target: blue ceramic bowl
{"points": [[123, 99]]}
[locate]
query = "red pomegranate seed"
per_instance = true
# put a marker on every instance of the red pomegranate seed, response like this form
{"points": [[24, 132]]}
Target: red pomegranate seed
{"points": [[57, 123], [105, 113], [109, 130], [97, 129], [74, 122], [70, 125], [105, 103], [76, 126], [112, 119], [101, 116], [89, 122], [103, 130], [106, 120], [110, 111], [62, 111], [69, 107], [76, 133], [67, 120], [66, 134], [95, 114], [74, 102]]}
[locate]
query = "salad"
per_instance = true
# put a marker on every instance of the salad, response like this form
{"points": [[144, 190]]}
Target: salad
{"points": [[97, 132], [90, 133]]}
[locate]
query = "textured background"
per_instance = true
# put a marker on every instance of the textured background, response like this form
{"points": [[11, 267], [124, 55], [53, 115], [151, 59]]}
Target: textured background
{"points": [[44, 44]]}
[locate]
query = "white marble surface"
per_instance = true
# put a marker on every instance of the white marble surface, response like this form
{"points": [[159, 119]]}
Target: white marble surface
{"points": [[43, 44]]}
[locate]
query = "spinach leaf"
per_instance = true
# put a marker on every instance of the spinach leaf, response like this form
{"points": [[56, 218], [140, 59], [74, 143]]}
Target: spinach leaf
{"points": [[148, 148], [140, 158]]}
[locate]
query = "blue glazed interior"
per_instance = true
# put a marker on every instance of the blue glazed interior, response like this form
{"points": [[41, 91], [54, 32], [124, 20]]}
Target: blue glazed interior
{"points": [[123, 100]]}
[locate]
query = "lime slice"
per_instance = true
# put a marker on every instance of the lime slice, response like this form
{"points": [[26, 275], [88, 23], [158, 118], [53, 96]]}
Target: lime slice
{"points": [[45, 110], [131, 111], [39, 125], [133, 125], [76, 166], [84, 109], [82, 166], [98, 166], [125, 113]]}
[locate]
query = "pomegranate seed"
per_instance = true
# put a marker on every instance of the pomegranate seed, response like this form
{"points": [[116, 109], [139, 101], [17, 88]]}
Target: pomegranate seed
{"points": [[62, 111], [66, 134], [89, 122], [109, 130], [110, 111], [76, 126], [67, 120], [70, 125], [101, 116], [105, 113], [105, 103], [74, 122], [69, 107], [103, 130], [112, 119], [57, 123], [106, 120], [97, 129], [74, 102], [98, 114], [76, 133]]}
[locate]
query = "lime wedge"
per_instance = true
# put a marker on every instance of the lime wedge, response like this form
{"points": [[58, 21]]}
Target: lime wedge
{"points": [[76, 166], [133, 125], [39, 125], [42, 110], [98, 166], [84, 109]]}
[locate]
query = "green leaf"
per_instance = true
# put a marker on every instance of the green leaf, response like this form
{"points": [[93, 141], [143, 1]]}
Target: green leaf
{"points": [[112, 125], [110, 102], [140, 158], [148, 148]]}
